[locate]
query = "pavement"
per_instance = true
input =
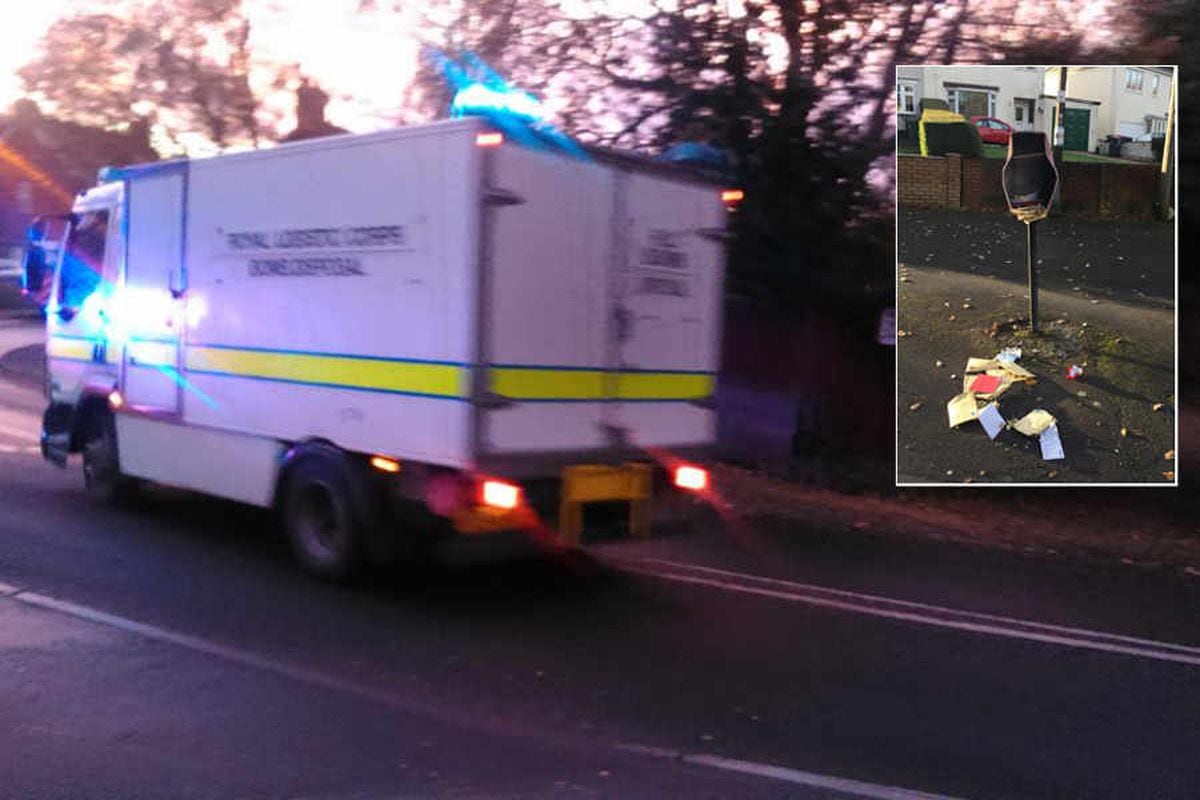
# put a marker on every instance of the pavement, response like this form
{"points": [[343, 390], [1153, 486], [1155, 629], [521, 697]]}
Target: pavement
{"points": [[1117, 423]]}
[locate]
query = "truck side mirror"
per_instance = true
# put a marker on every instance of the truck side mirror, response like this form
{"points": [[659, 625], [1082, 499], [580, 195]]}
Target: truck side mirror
{"points": [[1029, 177]]}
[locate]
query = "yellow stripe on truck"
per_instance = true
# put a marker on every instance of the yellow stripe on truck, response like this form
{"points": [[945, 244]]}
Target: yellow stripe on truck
{"points": [[74, 349], [527, 383], [659, 385], [538, 383], [409, 377]]}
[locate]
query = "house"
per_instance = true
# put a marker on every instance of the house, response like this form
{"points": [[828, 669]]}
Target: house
{"points": [[1011, 94], [45, 162], [1128, 101]]}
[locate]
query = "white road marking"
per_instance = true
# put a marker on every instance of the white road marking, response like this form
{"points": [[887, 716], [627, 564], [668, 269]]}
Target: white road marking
{"points": [[920, 613], [315, 678], [20, 434], [848, 786], [10, 449]]}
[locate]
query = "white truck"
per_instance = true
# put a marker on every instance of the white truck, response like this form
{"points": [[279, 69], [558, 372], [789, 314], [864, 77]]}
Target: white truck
{"points": [[388, 337]]}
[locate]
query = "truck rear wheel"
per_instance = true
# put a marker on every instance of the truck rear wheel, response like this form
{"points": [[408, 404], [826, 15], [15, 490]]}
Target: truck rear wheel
{"points": [[101, 468], [322, 520]]}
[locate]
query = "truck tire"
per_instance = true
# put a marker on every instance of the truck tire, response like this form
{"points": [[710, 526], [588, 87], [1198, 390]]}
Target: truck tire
{"points": [[321, 516], [101, 467]]}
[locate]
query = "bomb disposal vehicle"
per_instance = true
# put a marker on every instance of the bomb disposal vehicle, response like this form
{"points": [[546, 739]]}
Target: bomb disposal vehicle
{"points": [[391, 337]]}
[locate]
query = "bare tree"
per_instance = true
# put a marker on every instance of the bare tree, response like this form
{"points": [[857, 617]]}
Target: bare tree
{"points": [[186, 63]]}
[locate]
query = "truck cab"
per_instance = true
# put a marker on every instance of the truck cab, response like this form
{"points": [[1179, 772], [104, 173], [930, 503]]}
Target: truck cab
{"points": [[81, 356]]}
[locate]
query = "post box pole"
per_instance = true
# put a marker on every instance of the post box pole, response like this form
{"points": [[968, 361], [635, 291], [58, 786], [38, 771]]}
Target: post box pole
{"points": [[1031, 257]]}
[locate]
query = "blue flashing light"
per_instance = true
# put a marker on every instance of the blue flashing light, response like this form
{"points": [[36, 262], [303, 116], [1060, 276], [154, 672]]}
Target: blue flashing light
{"points": [[481, 92], [480, 100]]}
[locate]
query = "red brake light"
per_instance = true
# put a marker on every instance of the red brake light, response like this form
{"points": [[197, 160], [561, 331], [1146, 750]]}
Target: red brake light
{"points": [[731, 197], [691, 478], [499, 494], [385, 464]]}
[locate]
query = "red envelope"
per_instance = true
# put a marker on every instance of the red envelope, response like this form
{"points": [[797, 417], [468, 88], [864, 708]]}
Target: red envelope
{"points": [[985, 384]]}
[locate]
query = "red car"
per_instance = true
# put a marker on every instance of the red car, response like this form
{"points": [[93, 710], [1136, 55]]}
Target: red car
{"points": [[992, 130]]}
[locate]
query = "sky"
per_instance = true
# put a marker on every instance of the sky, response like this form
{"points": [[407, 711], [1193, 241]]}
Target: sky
{"points": [[22, 24]]}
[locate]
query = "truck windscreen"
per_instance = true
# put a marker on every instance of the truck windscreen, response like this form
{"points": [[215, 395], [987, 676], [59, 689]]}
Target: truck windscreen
{"points": [[83, 262]]}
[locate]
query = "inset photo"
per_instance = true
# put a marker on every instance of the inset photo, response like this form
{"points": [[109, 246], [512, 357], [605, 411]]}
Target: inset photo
{"points": [[1036, 245]]}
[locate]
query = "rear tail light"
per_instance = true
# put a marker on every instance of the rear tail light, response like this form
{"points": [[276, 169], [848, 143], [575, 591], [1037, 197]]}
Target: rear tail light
{"points": [[732, 197], [489, 139], [385, 464], [694, 479], [498, 494], [115, 400]]}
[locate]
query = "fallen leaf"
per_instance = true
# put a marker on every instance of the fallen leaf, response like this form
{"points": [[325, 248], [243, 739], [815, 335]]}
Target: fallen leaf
{"points": [[1124, 432], [1169, 475], [1156, 407], [937, 363], [914, 406], [1169, 455]]}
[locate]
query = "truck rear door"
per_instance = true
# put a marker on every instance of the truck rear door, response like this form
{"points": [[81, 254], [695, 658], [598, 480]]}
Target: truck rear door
{"points": [[671, 301], [547, 256], [602, 304]]}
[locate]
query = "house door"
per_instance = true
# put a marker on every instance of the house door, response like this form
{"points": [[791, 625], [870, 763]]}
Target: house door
{"points": [[1023, 115], [1076, 122]]}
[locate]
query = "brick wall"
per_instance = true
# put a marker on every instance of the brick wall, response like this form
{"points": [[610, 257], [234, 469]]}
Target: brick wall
{"points": [[981, 189], [921, 182], [1089, 190]]}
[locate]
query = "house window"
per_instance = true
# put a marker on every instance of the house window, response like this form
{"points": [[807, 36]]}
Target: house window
{"points": [[1156, 125], [972, 102], [1133, 80], [1154, 80], [906, 101]]}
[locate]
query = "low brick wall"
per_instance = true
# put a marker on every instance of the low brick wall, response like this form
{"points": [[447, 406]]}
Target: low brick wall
{"points": [[933, 182], [1126, 191]]}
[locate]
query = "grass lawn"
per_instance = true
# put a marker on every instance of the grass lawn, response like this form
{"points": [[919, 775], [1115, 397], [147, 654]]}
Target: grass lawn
{"points": [[1073, 156]]}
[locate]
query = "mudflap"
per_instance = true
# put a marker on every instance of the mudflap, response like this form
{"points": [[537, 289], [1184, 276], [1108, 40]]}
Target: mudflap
{"points": [[56, 433]]}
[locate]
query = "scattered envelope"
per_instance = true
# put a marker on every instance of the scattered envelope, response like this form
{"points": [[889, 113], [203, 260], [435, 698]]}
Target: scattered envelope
{"points": [[1034, 423], [962, 408], [990, 419], [1017, 371], [1051, 444], [980, 364], [984, 384], [1009, 354]]}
